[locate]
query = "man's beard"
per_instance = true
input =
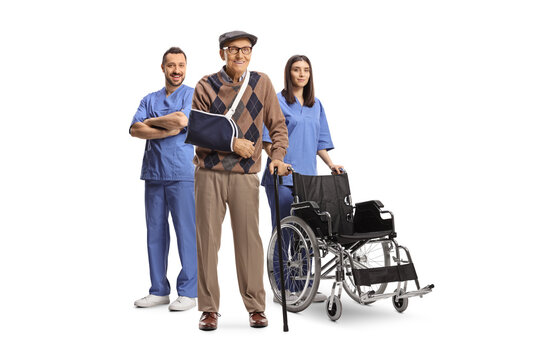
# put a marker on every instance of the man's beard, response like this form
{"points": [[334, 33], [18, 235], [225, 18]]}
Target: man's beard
{"points": [[171, 81]]}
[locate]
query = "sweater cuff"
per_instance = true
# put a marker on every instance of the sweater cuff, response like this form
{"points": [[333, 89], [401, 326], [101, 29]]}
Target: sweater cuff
{"points": [[278, 154]]}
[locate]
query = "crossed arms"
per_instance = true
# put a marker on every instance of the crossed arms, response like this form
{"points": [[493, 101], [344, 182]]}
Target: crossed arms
{"points": [[160, 127]]}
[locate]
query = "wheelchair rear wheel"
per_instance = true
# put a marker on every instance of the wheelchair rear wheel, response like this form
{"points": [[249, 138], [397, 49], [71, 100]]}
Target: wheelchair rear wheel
{"points": [[301, 263], [376, 254]]}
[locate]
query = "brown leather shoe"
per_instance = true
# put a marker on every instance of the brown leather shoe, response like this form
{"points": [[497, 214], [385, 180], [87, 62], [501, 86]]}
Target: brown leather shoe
{"points": [[258, 320], [208, 321]]}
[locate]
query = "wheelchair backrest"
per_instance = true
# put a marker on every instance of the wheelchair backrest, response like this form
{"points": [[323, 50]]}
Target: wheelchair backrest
{"points": [[332, 194]]}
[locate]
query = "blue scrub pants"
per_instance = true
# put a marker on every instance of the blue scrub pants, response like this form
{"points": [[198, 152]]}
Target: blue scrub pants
{"points": [[178, 198], [285, 201]]}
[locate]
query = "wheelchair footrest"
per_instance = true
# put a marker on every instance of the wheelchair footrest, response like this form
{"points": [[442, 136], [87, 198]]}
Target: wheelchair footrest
{"points": [[368, 277], [372, 296], [423, 291]]}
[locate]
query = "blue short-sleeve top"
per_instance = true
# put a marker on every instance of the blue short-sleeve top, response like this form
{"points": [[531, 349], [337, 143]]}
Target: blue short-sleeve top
{"points": [[308, 133], [168, 159]]}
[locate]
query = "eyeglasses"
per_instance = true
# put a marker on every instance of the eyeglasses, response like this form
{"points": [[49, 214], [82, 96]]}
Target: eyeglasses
{"points": [[233, 50]]}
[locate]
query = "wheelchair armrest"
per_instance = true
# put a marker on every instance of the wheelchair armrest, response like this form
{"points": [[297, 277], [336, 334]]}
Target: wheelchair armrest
{"points": [[377, 203], [313, 206], [369, 217], [310, 212], [305, 205]]}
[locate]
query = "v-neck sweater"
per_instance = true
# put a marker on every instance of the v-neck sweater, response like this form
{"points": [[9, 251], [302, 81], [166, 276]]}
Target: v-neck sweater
{"points": [[259, 105]]}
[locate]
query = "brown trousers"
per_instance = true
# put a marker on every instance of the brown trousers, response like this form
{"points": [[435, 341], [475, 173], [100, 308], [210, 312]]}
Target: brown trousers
{"points": [[214, 190]]}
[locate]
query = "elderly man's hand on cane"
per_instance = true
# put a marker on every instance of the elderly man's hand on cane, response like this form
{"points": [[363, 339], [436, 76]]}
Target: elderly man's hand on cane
{"points": [[283, 168]]}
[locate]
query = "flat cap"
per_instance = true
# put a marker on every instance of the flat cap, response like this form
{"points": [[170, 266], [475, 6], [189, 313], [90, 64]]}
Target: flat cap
{"points": [[233, 35]]}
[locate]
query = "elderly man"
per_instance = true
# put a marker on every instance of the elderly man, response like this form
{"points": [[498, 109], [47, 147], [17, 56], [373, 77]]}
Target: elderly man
{"points": [[230, 178], [168, 173]]}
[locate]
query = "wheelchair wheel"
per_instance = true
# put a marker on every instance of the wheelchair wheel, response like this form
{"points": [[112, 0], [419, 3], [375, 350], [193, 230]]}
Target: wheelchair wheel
{"points": [[335, 312], [301, 263], [376, 254]]}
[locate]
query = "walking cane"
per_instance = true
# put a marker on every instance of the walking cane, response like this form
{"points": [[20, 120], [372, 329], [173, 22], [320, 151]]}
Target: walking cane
{"points": [[280, 245]]}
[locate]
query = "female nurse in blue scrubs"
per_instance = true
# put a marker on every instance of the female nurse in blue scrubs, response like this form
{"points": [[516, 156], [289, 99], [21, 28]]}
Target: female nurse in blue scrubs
{"points": [[309, 135]]}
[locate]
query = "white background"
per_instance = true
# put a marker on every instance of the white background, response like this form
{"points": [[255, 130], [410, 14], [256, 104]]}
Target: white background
{"points": [[431, 107]]}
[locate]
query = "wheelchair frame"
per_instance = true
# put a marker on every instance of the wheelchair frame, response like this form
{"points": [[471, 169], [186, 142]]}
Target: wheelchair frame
{"points": [[313, 238]]}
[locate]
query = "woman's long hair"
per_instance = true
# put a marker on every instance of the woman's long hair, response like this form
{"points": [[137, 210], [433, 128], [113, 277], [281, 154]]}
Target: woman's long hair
{"points": [[308, 92]]}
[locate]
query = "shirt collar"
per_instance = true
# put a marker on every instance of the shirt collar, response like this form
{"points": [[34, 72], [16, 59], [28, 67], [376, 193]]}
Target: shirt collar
{"points": [[227, 78]]}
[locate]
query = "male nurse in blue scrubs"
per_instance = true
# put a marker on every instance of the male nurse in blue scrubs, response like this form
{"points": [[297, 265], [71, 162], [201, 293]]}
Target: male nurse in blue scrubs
{"points": [[168, 171]]}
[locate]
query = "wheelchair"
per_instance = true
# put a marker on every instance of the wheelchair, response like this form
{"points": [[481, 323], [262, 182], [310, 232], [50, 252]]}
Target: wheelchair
{"points": [[361, 241]]}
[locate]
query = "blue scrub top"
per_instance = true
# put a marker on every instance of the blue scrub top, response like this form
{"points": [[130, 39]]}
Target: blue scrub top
{"points": [[168, 159], [308, 133]]}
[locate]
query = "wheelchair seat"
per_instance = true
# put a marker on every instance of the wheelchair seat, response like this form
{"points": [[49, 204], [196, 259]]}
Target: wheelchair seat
{"points": [[353, 238]]}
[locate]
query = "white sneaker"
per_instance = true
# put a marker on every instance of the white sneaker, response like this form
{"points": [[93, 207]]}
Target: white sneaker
{"points": [[182, 303], [152, 300]]}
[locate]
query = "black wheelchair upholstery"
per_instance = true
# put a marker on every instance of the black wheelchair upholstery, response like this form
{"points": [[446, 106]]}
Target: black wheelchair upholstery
{"points": [[320, 196]]}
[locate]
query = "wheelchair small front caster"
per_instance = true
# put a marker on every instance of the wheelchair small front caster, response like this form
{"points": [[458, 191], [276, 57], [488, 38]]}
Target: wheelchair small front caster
{"points": [[401, 304], [335, 312]]}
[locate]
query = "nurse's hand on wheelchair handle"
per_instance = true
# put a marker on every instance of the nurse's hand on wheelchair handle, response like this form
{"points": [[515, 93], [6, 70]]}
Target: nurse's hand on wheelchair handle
{"points": [[337, 169]]}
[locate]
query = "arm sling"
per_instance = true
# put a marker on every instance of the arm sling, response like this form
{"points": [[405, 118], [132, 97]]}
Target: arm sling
{"points": [[214, 131]]}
